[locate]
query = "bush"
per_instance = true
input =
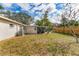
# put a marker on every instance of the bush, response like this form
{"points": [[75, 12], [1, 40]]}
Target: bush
{"points": [[66, 30], [19, 33]]}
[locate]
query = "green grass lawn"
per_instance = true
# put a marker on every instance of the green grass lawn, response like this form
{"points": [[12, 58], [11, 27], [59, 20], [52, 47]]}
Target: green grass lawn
{"points": [[41, 45]]}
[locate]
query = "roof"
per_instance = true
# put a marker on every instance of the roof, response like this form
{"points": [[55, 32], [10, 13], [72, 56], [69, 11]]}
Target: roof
{"points": [[10, 20]]}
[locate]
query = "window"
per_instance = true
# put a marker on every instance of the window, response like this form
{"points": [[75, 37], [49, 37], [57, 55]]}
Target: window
{"points": [[11, 25]]}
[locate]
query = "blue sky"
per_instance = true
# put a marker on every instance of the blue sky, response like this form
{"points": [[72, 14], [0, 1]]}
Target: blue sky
{"points": [[36, 10]]}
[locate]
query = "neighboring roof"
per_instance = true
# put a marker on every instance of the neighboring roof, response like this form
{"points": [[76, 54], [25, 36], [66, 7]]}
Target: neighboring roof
{"points": [[10, 20]]}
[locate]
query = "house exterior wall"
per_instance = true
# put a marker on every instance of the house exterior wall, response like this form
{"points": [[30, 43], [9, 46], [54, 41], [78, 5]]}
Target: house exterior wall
{"points": [[31, 30], [8, 29]]}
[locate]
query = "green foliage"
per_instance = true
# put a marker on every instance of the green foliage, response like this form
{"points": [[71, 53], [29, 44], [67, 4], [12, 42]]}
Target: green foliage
{"points": [[1, 7], [21, 17], [8, 13], [74, 22], [44, 22], [38, 22], [66, 22]]}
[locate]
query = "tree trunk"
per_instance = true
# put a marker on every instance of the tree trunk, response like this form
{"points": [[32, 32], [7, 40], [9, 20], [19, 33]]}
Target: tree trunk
{"points": [[73, 34]]}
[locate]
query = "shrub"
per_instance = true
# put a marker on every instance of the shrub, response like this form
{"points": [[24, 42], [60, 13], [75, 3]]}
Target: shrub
{"points": [[66, 30]]}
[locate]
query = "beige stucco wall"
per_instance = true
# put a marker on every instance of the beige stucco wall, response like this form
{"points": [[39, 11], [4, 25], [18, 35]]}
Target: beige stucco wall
{"points": [[31, 30], [6, 31]]}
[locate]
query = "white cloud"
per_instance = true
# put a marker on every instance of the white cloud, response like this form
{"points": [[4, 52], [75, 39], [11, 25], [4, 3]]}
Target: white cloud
{"points": [[36, 4], [75, 8], [6, 4], [23, 5], [36, 18], [42, 7], [56, 16], [51, 6], [54, 19]]}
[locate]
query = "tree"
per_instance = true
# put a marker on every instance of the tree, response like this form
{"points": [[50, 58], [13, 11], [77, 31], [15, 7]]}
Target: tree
{"points": [[21, 17], [71, 15], [39, 23], [1, 8], [76, 23], [45, 22], [24, 18], [64, 21], [7, 14]]}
